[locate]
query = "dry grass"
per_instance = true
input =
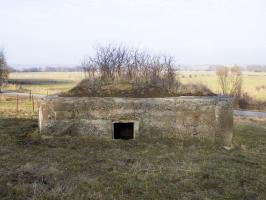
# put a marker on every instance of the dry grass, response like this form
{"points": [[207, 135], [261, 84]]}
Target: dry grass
{"points": [[43, 82], [71, 76], [8, 107], [37, 167], [253, 83], [98, 88]]}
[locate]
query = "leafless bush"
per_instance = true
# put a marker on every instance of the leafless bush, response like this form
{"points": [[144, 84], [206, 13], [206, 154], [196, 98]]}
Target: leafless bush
{"points": [[230, 80], [261, 87], [3, 70], [112, 63], [248, 102]]}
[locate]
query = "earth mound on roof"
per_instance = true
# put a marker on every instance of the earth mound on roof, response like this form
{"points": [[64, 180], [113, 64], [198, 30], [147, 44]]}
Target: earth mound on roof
{"points": [[88, 88]]}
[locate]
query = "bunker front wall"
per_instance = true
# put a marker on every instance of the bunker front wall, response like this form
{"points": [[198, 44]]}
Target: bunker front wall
{"points": [[210, 117]]}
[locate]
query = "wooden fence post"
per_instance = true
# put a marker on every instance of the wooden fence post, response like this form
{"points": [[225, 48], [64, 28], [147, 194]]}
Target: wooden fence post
{"points": [[32, 100], [17, 104]]}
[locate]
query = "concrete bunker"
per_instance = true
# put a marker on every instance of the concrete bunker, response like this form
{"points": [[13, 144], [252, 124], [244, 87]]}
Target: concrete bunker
{"points": [[129, 118]]}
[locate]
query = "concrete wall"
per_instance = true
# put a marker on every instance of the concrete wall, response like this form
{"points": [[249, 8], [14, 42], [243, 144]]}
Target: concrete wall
{"points": [[209, 117]]}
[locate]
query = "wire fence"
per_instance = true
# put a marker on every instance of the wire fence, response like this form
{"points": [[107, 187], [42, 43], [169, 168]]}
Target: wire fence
{"points": [[18, 105]]}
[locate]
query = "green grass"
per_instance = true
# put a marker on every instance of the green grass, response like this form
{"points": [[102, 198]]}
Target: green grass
{"points": [[37, 167]]}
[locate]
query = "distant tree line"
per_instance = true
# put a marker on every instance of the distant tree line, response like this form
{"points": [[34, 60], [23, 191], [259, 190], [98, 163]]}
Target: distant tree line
{"points": [[256, 68], [48, 69], [250, 68]]}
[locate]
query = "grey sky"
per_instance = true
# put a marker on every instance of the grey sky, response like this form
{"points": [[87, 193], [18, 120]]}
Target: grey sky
{"points": [[194, 31]]}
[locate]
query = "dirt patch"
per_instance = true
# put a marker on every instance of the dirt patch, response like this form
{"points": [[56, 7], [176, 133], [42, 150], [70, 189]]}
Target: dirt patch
{"points": [[29, 174], [86, 88]]}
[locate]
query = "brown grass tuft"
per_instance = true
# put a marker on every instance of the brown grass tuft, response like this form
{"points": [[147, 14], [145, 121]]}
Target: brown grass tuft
{"points": [[88, 88]]}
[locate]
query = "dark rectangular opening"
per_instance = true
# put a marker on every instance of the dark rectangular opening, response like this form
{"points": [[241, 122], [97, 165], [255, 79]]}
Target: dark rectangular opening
{"points": [[124, 131]]}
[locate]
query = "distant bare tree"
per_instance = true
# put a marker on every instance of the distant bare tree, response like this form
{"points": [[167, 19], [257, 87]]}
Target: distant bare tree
{"points": [[3, 70], [222, 75], [230, 80], [236, 81]]}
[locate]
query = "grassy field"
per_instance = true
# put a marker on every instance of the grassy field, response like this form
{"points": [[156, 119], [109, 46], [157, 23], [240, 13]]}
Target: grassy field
{"points": [[53, 82], [44, 82], [253, 83], [37, 167]]}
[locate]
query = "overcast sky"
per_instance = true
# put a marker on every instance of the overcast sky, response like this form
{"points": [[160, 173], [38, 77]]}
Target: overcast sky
{"points": [[194, 31]]}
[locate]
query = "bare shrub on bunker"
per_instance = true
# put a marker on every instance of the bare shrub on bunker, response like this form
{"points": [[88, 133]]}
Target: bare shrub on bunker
{"points": [[118, 71], [111, 63]]}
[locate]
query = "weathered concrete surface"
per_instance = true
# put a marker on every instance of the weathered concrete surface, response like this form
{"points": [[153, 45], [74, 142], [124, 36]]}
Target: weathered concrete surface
{"points": [[206, 117]]}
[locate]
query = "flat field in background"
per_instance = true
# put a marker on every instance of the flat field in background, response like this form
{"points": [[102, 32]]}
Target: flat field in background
{"points": [[254, 83], [53, 82], [43, 82]]}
